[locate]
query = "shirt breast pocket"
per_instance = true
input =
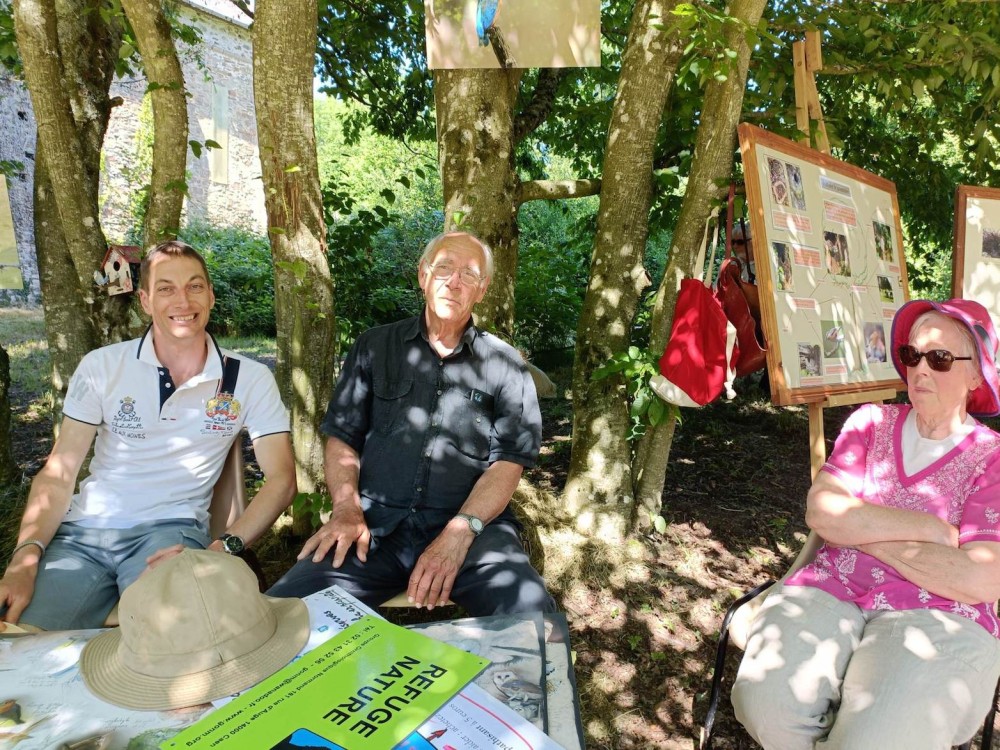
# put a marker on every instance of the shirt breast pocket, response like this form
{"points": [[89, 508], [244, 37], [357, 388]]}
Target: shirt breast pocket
{"points": [[475, 429], [391, 403]]}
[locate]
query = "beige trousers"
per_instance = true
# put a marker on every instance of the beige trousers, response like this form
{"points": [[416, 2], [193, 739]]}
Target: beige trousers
{"points": [[821, 673]]}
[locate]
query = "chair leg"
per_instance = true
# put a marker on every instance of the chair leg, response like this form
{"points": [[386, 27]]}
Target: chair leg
{"points": [[987, 743], [720, 663]]}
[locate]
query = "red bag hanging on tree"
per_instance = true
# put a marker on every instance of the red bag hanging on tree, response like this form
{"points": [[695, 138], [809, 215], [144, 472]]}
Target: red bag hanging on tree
{"points": [[738, 294], [700, 356], [730, 290]]}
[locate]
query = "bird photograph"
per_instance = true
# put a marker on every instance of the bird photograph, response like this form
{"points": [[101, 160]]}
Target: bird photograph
{"points": [[519, 694], [486, 15]]}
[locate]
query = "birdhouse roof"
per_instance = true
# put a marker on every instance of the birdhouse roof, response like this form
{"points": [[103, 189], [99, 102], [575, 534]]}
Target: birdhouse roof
{"points": [[128, 253]]}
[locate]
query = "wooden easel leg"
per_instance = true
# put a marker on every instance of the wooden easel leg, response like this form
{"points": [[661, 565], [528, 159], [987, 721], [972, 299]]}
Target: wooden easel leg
{"points": [[817, 443]]}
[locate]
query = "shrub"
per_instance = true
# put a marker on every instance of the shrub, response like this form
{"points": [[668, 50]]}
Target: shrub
{"points": [[239, 262], [553, 258]]}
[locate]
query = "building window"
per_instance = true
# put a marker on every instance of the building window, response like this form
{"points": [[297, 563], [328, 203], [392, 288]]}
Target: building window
{"points": [[217, 129], [10, 264]]}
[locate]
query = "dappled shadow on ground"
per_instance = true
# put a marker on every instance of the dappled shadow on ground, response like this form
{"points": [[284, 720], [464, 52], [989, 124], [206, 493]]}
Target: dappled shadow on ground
{"points": [[645, 639]]}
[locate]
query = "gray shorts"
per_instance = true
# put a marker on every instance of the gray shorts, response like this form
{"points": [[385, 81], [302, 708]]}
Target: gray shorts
{"points": [[85, 570]]}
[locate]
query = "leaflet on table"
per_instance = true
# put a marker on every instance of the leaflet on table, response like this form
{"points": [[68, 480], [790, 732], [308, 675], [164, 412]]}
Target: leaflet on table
{"points": [[515, 646], [330, 611], [475, 720], [562, 702], [44, 703], [367, 688]]}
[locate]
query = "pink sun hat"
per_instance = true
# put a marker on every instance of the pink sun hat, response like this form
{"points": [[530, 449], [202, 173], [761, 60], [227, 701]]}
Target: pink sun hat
{"points": [[984, 401]]}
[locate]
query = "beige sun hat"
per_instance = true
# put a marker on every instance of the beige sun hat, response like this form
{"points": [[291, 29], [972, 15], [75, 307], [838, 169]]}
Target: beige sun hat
{"points": [[193, 629]]}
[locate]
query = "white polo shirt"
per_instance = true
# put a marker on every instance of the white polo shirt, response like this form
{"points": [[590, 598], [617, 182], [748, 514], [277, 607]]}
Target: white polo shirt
{"points": [[161, 446]]}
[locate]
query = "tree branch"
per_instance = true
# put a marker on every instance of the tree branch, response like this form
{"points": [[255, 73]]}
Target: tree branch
{"points": [[552, 190], [500, 48], [540, 106], [242, 5]]}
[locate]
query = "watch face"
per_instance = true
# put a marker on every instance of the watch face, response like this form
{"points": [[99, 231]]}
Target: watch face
{"points": [[232, 544], [475, 524]]}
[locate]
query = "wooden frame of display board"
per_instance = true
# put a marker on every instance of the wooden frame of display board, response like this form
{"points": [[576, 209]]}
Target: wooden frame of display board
{"points": [[976, 255], [827, 245]]}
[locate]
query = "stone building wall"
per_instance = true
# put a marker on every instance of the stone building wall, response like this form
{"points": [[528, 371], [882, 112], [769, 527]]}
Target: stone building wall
{"points": [[224, 188], [17, 144]]}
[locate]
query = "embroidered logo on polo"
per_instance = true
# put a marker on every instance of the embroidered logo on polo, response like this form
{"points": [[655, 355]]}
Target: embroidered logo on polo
{"points": [[223, 410], [126, 422]]}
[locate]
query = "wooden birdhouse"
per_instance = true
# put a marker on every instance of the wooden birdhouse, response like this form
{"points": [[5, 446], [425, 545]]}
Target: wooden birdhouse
{"points": [[120, 270]]}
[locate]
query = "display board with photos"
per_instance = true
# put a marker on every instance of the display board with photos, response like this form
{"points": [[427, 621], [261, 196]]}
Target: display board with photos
{"points": [[976, 259], [828, 251]]}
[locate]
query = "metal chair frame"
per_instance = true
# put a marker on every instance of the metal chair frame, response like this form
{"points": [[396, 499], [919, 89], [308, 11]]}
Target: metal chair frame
{"points": [[718, 674]]}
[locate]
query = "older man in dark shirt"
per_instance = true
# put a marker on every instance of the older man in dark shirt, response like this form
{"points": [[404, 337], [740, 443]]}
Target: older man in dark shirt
{"points": [[429, 429]]}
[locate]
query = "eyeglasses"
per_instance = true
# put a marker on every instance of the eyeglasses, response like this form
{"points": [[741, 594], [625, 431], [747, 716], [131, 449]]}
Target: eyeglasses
{"points": [[939, 360], [739, 242], [444, 271]]}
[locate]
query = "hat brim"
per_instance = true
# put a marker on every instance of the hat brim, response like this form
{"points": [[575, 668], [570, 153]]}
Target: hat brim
{"points": [[984, 401], [109, 679]]}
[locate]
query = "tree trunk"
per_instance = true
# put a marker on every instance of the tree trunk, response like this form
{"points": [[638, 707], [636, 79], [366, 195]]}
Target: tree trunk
{"points": [[60, 103], [284, 48], [69, 55], [599, 485], [712, 165], [69, 326], [170, 118], [7, 468], [475, 135]]}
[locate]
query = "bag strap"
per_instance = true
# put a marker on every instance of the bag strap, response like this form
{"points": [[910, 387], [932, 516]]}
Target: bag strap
{"points": [[729, 219], [730, 225], [700, 273], [230, 372]]}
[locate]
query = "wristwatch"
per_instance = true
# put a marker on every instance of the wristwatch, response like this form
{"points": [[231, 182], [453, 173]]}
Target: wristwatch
{"points": [[232, 544], [475, 524]]}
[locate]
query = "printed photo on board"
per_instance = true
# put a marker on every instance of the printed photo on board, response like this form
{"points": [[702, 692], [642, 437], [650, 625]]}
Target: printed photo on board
{"points": [[883, 241], [512, 34], [885, 289], [991, 243], [779, 184], [783, 262], [837, 258], [796, 186], [833, 339], [874, 342], [810, 363]]}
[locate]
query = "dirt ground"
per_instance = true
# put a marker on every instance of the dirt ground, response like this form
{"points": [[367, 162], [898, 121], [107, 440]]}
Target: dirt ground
{"points": [[733, 504]]}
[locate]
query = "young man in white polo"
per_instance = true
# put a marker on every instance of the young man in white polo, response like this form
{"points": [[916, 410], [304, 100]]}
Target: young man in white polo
{"points": [[164, 409]]}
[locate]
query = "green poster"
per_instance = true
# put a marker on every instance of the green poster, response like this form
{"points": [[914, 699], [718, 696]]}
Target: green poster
{"points": [[366, 688]]}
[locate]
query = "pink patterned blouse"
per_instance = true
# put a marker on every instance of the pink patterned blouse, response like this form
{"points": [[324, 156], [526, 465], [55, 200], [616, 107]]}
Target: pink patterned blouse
{"points": [[963, 487]]}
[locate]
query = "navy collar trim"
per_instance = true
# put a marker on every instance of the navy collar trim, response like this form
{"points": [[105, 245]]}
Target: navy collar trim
{"points": [[215, 345]]}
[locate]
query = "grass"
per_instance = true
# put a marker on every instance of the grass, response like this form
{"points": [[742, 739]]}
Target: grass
{"points": [[23, 335]]}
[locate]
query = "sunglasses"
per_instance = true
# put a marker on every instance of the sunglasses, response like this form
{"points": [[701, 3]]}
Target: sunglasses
{"points": [[939, 360]]}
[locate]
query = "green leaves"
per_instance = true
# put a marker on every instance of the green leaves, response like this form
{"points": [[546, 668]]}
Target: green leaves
{"points": [[311, 505], [197, 146], [298, 268], [636, 367]]}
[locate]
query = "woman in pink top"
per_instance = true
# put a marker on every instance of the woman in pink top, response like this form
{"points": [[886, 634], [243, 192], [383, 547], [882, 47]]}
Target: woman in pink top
{"points": [[889, 637]]}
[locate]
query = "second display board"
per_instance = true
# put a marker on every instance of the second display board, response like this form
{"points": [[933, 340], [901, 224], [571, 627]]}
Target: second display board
{"points": [[829, 260]]}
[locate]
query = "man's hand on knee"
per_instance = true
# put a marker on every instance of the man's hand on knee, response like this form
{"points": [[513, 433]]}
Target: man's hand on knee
{"points": [[162, 555], [16, 589], [435, 572], [346, 527]]}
